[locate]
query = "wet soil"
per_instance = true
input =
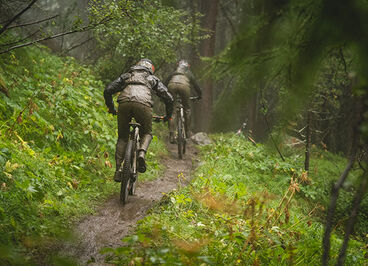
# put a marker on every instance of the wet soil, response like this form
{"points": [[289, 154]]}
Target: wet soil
{"points": [[113, 221]]}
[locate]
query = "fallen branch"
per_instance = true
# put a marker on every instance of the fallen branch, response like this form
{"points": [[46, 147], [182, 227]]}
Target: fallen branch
{"points": [[252, 140]]}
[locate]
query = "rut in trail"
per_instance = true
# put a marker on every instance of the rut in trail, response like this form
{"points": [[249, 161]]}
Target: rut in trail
{"points": [[114, 221]]}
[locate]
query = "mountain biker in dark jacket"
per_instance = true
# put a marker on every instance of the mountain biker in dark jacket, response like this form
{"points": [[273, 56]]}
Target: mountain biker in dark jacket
{"points": [[179, 83], [135, 100]]}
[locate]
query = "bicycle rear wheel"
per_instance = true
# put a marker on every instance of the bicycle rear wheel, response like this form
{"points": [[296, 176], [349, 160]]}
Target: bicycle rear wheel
{"points": [[180, 137], [125, 183]]}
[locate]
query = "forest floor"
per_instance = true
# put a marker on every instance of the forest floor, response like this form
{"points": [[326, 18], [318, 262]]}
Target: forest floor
{"points": [[112, 221]]}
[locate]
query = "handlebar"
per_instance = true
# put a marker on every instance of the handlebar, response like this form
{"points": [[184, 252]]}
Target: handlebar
{"points": [[158, 118], [194, 98]]}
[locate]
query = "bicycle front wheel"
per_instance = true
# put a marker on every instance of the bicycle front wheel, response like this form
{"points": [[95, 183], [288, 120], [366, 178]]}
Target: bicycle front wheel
{"points": [[125, 183]]}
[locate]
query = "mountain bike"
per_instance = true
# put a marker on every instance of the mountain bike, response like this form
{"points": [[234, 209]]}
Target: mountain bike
{"points": [[180, 125], [128, 168]]}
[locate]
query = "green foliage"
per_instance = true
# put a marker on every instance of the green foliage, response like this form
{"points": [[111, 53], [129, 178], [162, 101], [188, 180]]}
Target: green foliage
{"points": [[57, 142], [245, 206], [139, 29]]}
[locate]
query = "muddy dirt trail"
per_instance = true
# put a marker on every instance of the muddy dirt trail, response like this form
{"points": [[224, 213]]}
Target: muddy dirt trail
{"points": [[113, 221]]}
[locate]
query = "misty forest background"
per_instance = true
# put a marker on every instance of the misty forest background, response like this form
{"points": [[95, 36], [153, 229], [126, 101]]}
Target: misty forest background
{"points": [[292, 73]]}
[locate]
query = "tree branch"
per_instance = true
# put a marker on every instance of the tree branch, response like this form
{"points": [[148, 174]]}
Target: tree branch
{"points": [[32, 23], [85, 28], [18, 41], [5, 27], [76, 46], [43, 39]]}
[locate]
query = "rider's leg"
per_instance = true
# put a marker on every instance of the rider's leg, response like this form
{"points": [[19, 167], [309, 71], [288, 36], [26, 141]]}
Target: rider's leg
{"points": [[172, 89], [124, 117], [143, 115], [187, 117], [146, 140]]}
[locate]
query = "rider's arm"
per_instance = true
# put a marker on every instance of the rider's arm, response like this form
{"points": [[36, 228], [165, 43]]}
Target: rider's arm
{"points": [[194, 83], [114, 87], [160, 89]]}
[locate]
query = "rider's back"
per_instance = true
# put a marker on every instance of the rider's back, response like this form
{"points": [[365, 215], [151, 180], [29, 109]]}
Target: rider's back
{"points": [[181, 76], [138, 88]]}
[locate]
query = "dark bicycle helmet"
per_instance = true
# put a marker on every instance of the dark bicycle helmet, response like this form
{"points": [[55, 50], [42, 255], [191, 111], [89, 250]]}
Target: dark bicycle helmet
{"points": [[146, 63]]}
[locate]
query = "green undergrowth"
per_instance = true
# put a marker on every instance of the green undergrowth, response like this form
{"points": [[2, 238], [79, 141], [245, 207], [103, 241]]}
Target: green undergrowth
{"points": [[57, 147], [244, 206]]}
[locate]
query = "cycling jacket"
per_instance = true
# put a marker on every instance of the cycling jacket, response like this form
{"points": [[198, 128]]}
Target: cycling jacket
{"points": [[137, 86]]}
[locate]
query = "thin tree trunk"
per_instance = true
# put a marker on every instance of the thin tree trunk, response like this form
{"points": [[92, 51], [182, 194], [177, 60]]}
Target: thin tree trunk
{"points": [[354, 213], [308, 141], [335, 189], [332, 208]]}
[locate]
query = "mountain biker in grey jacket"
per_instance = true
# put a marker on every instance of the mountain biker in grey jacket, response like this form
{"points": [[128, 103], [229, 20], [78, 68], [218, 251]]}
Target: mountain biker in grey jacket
{"points": [[179, 84], [135, 100]]}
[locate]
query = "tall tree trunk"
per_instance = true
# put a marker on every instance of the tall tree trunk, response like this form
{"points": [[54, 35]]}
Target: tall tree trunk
{"points": [[203, 112]]}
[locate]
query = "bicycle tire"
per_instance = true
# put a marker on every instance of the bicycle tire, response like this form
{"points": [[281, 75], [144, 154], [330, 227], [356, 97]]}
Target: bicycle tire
{"points": [[125, 183], [184, 140], [180, 138], [132, 174]]}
